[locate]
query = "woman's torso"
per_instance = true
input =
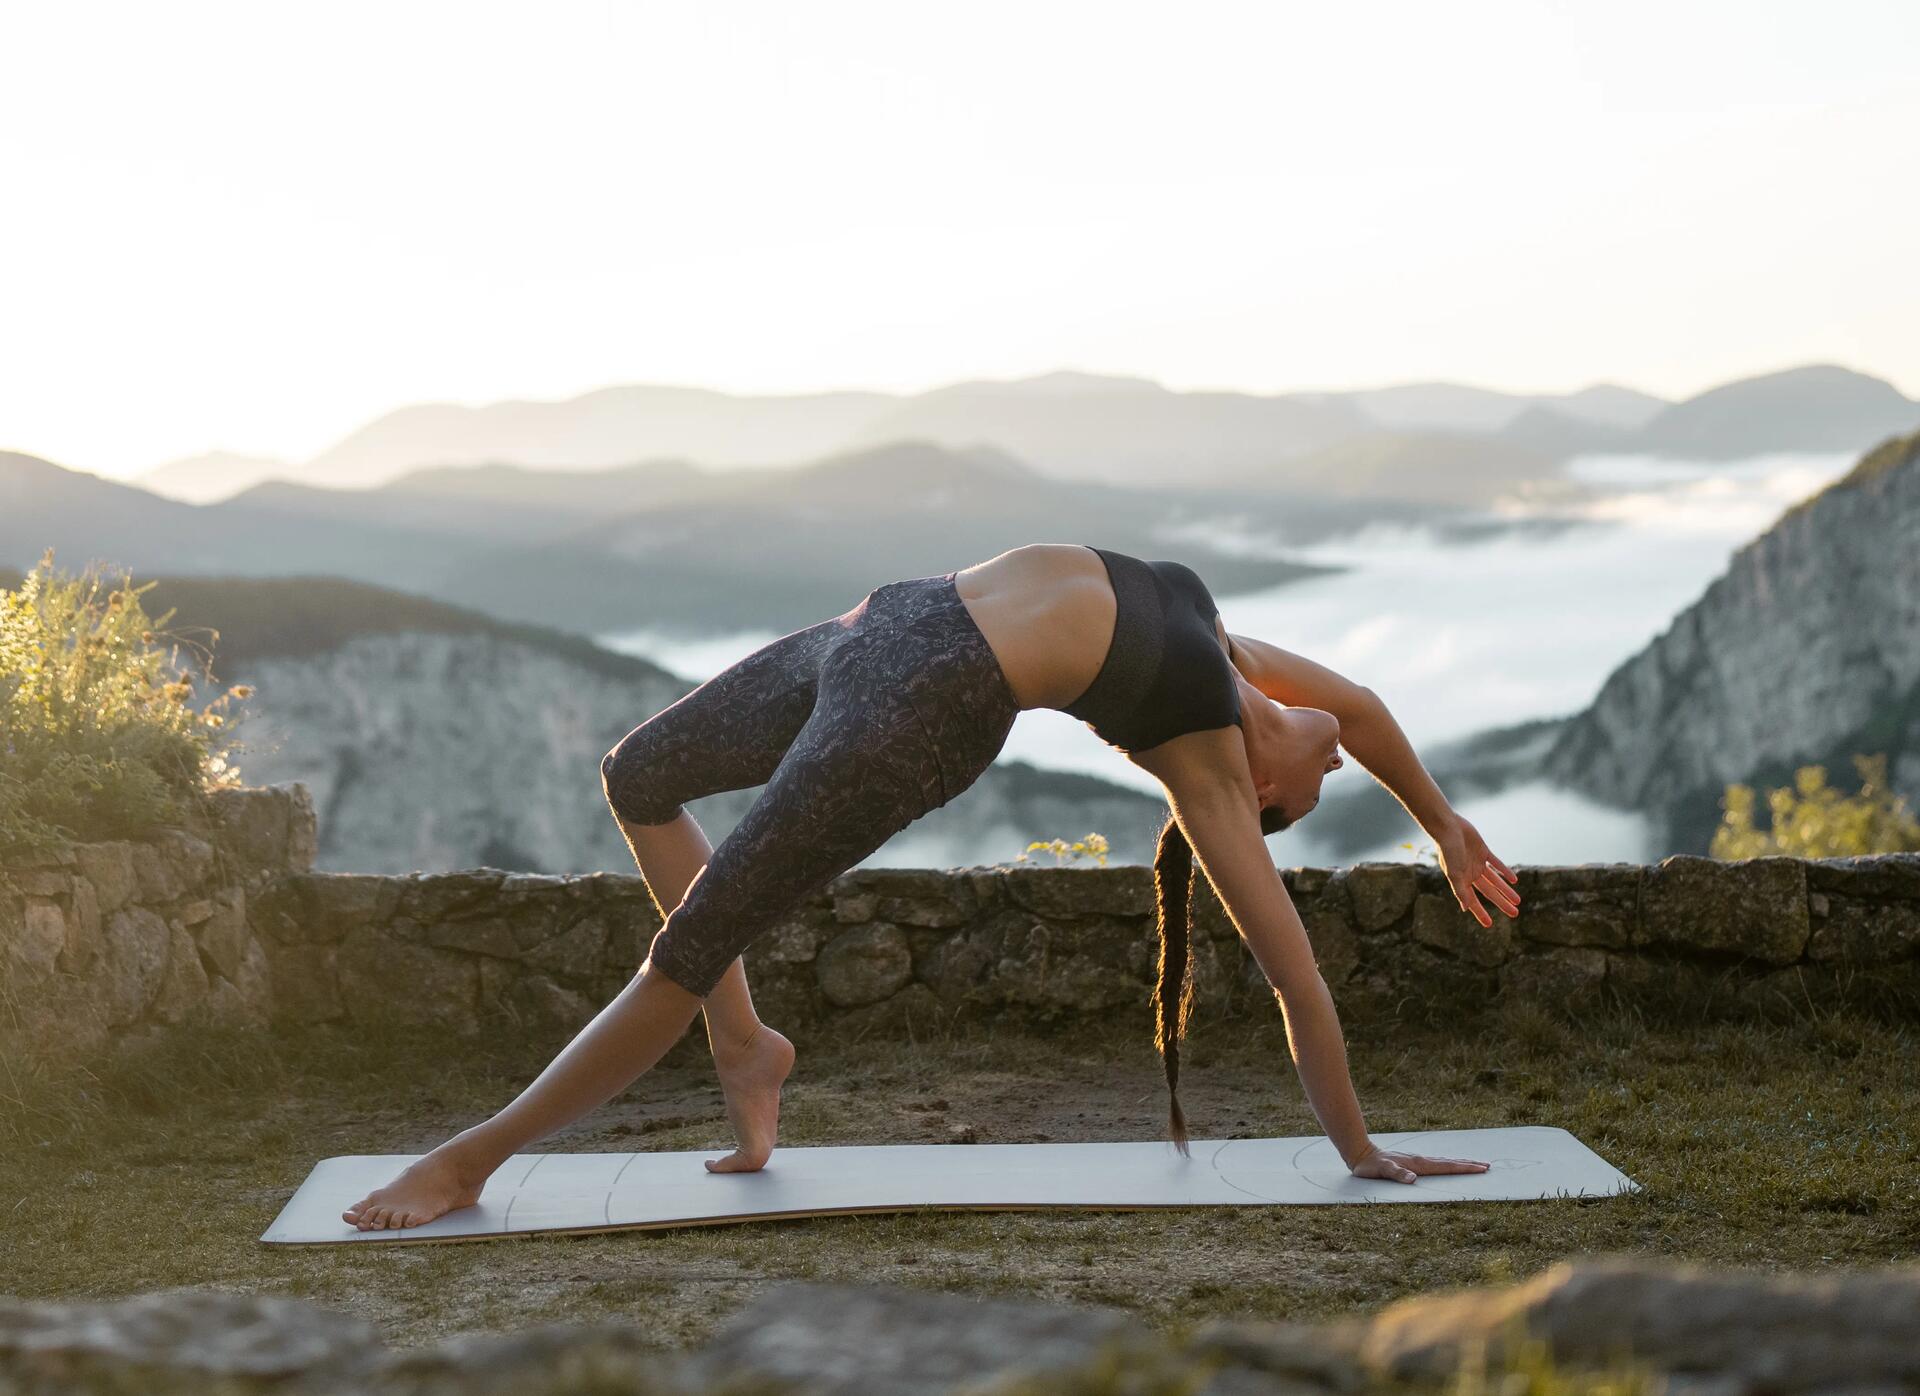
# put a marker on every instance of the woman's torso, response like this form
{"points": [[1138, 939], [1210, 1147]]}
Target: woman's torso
{"points": [[1049, 612]]}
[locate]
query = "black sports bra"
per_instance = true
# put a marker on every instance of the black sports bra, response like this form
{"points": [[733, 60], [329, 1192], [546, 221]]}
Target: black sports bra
{"points": [[1165, 673]]}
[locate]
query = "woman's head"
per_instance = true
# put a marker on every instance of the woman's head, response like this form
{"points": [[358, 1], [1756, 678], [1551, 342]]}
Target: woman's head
{"points": [[1290, 751]]}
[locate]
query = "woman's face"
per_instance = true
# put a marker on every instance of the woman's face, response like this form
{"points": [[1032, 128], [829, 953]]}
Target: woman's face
{"points": [[1301, 746]]}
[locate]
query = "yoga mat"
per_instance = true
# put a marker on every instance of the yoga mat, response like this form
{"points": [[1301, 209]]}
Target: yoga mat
{"points": [[534, 1193]]}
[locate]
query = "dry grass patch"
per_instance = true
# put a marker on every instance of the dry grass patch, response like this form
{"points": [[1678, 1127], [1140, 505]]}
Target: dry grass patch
{"points": [[1782, 1146]]}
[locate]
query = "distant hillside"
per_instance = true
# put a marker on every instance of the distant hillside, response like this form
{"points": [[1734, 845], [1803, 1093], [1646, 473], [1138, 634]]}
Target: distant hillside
{"points": [[613, 426], [1077, 426], [1807, 649], [86, 518], [260, 618], [205, 479], [705, 551], [1071, 425], [781, 549], [1553, 432], [1426, 467], [1817, 408], [1457, 407], [1607, 405], [1118, 431]]}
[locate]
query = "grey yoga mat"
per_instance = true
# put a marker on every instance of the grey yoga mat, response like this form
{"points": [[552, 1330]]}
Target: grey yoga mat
{"points": [[612, 1192]]}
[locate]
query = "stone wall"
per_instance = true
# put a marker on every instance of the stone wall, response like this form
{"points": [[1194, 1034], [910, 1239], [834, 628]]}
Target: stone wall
{"points": [[227, 924], [106, 940], [884, 949]]}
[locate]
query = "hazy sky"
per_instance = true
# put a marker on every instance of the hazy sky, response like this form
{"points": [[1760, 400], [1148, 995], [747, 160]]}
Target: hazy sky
{"points": [[257, 225]]}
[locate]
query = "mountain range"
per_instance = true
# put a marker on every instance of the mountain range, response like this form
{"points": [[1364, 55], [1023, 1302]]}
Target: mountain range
{"points": [[663, 546], [1087, 427]]}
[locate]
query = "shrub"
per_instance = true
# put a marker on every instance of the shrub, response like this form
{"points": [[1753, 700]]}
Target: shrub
{"points": [[1093, 846], [99, 735], [1814, 820]]}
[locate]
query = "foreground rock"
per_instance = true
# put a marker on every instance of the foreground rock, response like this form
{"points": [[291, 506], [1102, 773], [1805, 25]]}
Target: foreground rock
{"points": [[1682, 1329], [1853, 1330]]}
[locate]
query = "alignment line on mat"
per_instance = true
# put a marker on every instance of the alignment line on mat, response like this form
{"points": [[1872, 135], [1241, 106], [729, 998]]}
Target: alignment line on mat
{"points": [[607, 1210]]}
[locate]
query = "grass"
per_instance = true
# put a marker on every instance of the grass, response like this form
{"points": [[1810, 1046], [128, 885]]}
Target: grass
{"points": [[1772, 1146]]}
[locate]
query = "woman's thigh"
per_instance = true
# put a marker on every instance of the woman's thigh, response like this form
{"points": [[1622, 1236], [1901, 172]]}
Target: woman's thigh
{"points": [[860, 770], [728, 733]]}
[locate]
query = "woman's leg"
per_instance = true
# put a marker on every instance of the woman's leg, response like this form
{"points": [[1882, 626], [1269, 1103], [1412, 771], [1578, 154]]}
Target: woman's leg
{"points": [[626, 1038], [728, 733], [861, 768], [751, 1059], [859, 771]]}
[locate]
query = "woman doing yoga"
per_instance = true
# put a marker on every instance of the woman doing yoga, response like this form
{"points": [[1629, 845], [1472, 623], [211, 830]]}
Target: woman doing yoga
{"points": [[860, 724]]}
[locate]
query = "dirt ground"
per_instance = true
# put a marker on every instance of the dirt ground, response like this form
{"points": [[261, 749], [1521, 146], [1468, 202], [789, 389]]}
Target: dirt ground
{"points": [[1766, 1146]]}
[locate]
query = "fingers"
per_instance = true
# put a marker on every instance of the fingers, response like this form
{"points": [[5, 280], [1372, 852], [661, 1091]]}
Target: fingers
{"points": [[1387, 1171], [1498, 892], [1423, 1165], [1486, 856], [1405, 1168], [1463, 893], [1386, 1167]]}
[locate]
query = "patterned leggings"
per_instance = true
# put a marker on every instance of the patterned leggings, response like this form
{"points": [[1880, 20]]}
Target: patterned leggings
{"points": [[857, 726]]}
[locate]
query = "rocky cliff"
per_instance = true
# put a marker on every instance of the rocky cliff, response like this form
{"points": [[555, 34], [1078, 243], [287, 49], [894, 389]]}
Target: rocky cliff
{"points": [[1807, 649]]}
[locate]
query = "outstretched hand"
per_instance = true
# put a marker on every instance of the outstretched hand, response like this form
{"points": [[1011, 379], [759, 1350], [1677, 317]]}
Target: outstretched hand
{"points": [[1471, 867], [1404, 1168]]}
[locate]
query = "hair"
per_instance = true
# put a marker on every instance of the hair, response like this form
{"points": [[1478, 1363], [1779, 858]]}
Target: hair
{"points": [[1174, 878], [1173, 875]]}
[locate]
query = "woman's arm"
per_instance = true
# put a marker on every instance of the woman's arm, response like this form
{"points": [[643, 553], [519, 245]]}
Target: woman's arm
{"points": [[1221, 820], [1367, 730], [1372, 737], [1210, 788]]}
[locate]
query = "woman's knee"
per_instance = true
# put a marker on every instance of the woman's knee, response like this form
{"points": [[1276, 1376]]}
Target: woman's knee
{"points": [[635, 783]]}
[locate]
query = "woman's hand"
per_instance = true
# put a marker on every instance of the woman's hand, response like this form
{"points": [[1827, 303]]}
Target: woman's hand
{"points": [[1404, 1168], [1470, 866]]}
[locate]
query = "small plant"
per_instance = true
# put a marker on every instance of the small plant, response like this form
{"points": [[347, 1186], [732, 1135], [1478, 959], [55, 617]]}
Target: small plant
{"points": [[1427, 853], [99, 737], [1814, 820], [1093, 846]]}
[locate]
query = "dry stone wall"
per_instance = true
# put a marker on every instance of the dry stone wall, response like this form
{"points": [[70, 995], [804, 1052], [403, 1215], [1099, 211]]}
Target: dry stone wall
{"points": [[882, 949], [109, 940], [226, 923]]}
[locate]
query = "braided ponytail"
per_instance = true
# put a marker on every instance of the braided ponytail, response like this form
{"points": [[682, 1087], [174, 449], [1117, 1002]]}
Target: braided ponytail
{"points": [[1173, 875]]}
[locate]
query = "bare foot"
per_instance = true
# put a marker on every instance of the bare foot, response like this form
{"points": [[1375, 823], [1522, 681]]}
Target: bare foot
{"points": [[430, 1188], [751, 1077]]}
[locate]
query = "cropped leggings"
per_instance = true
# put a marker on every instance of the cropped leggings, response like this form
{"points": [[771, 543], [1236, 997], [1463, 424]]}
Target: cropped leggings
{"points": [[857, 726]]}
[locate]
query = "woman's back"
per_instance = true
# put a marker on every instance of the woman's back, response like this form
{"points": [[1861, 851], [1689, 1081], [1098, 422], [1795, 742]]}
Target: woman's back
{"points": [[1065, 617]]}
